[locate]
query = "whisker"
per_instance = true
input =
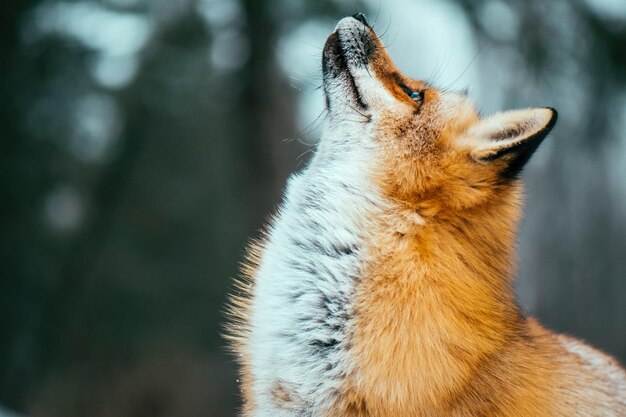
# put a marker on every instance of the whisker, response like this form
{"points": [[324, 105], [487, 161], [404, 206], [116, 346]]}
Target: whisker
{"points": [[380, 36], [365, 116], [467, 67], [319, 120], [303, 153], [377, 13], [395, 36]]}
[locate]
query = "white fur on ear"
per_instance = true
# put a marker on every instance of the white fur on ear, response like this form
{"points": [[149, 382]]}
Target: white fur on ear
{"points": [[515, 134]]}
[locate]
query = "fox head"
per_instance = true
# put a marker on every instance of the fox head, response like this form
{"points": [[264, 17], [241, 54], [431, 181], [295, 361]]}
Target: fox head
{"points": [[431, 148]]}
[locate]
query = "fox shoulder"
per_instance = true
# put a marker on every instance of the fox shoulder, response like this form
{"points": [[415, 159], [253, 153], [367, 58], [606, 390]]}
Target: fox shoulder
{"points": [[596, 376]]}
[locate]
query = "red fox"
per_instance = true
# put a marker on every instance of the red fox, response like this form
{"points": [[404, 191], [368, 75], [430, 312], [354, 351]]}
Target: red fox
{"points": [[384, 286]]}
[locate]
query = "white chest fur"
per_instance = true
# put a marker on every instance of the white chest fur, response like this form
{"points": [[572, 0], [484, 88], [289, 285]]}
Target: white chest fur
{"points": [[301, 308]]}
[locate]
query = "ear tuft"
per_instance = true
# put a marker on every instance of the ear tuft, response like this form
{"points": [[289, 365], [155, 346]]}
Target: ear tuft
{"points": [[511, 137]]}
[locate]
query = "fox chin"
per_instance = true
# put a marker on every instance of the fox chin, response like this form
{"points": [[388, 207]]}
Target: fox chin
{"points": [[384, 285]]}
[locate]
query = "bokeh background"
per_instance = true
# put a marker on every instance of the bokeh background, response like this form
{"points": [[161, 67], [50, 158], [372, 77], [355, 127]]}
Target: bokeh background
{"points": [[143, 142]]}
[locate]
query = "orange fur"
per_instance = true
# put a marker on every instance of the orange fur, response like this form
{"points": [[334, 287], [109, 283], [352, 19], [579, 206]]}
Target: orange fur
{"points": [[438, 331], [238, 313]]}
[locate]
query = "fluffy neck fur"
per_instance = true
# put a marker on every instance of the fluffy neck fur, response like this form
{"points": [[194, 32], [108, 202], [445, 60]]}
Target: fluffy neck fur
{"points": [[436, 302], [378, 305], [299, 334]]}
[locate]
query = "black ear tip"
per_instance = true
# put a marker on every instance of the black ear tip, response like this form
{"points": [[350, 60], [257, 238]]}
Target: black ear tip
{"points": [[553, 118], [526, 148]]}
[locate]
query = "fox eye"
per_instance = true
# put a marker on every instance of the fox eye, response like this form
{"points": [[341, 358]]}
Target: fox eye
{"points": [[416, 96]]}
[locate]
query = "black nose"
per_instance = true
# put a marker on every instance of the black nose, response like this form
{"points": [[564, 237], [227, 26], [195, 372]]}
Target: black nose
{"points": [[361, 18]]}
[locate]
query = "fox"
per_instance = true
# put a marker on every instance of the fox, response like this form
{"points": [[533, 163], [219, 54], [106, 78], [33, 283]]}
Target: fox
{"points": [[384, 284]]}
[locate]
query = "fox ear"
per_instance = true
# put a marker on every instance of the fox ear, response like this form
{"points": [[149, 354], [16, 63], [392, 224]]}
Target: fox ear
{"points": [[510, 137]]}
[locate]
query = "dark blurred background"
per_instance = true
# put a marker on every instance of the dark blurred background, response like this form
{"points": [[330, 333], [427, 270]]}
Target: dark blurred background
{"points": [[142, 142]]}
